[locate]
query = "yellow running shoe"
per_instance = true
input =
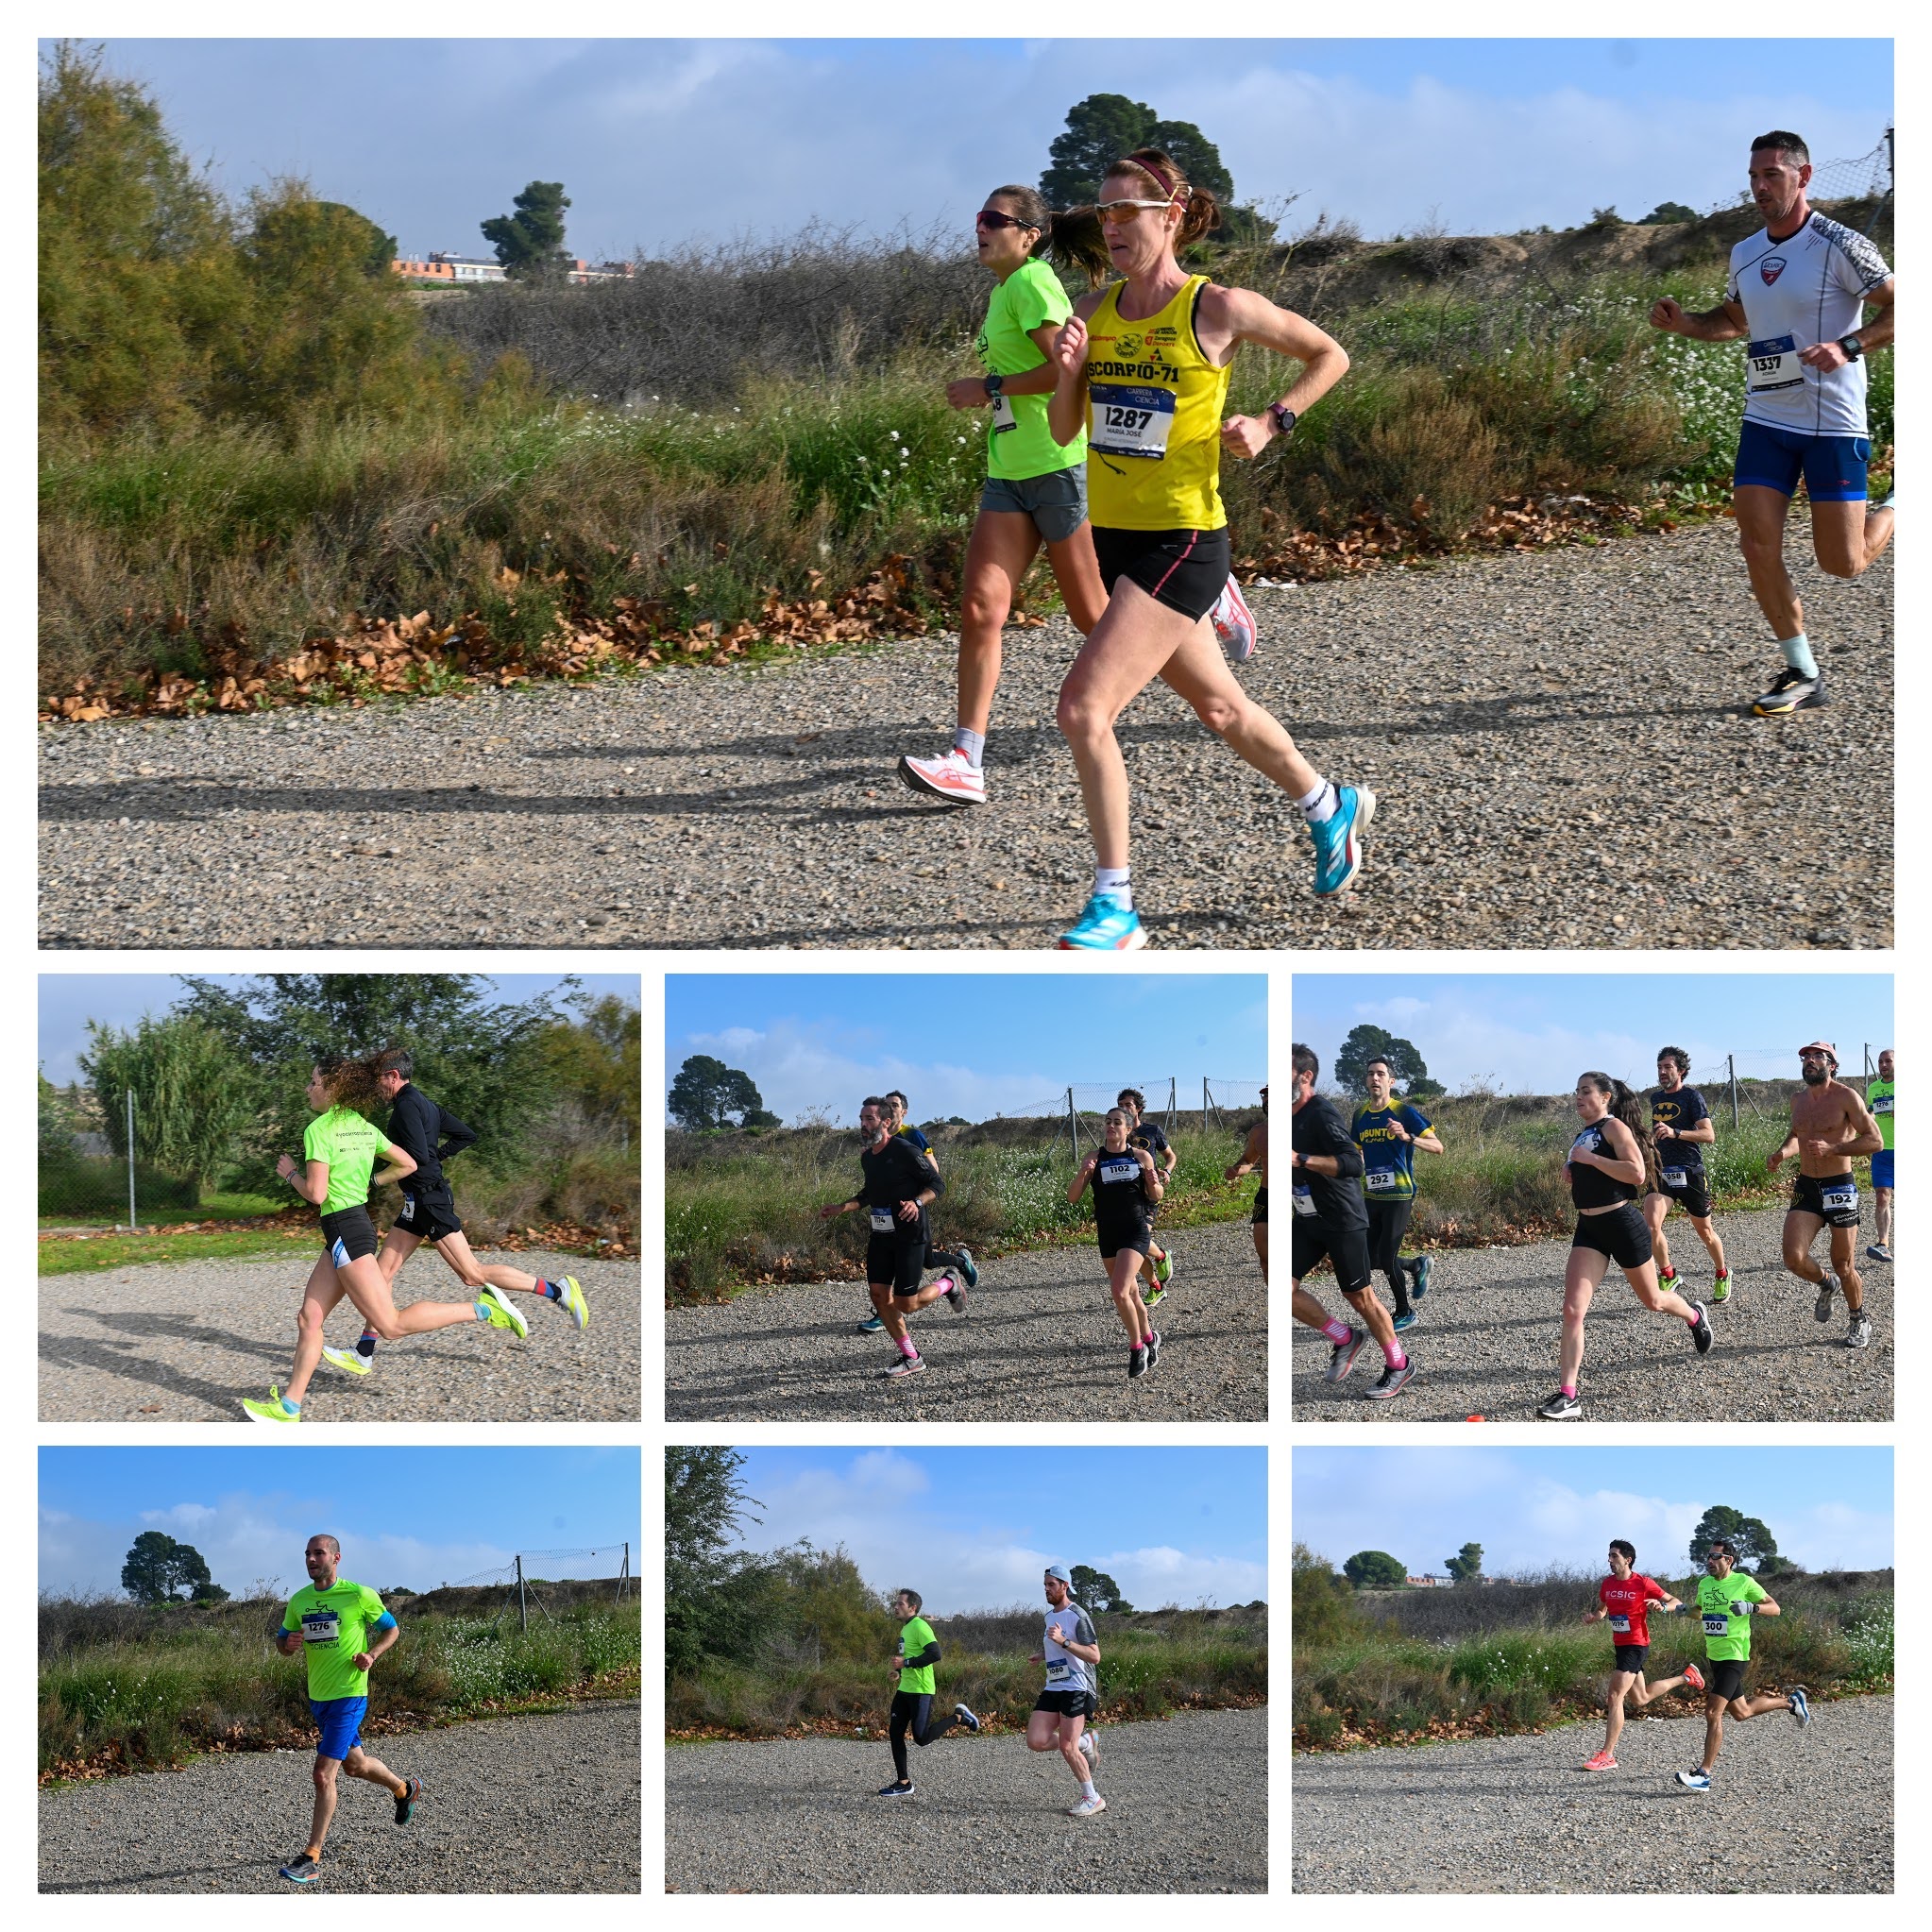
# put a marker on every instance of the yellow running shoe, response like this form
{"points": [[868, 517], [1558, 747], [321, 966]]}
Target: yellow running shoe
{"points": [[349, 1361], [495, 1304], [272, 1410], [573, 1303]]}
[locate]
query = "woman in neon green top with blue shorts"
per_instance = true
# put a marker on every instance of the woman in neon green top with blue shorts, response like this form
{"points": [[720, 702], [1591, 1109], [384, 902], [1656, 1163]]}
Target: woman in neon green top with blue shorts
{"points": [[340, 1152], [1036, 489]]}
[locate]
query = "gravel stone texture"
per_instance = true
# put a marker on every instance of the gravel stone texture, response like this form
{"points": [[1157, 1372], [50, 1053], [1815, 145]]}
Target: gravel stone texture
{"points": [[1492, 1324], [1518, 716], [1187, 1810], [1791, 1811], [485, 1822], [1038, 1340], [186, 1341]]}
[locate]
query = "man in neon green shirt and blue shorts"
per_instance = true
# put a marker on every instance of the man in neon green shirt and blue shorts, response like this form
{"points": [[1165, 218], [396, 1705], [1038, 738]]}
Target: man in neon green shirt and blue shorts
{"points": [[1878, 1099], [1727, 1600], [341, 1628]]}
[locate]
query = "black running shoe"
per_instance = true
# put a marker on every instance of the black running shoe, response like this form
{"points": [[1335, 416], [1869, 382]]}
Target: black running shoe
{"points": [[1137, 1363], [1561, 1408], [1701, 1329], [1154, 1340], [1791, 690], [301, 1871], [904, 1788], [405, 1805], [966, 1716]]}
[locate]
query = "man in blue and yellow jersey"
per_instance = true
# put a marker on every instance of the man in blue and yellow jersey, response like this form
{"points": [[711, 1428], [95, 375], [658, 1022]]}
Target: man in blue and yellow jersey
{"points": [[1388, 1131], [1878, 1098]]}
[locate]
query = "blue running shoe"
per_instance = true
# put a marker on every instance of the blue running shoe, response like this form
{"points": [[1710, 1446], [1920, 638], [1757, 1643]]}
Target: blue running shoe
{"points": [[1696, 1779], [1105, 926], [970, 1268], [302, 1871], [1405, 1321], [1801, 1705], [872, 1325], [1420, 1286], [1338, 840]]}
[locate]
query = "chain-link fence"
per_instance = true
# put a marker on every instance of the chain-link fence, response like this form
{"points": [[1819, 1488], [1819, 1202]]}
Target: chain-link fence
{"points": [[1865, 181], [1203, 1103], [549, 1582], [84, 1181]]}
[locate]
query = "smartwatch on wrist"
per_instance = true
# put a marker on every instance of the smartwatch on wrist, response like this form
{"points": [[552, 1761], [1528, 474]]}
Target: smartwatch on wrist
{"points": [[1282, 417], [993, 385], [1852, 346]]}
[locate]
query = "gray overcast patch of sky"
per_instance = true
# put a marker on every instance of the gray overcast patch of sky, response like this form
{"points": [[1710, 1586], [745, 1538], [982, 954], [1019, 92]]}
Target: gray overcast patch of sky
{"points": [[668, 141], [70, 1000]]}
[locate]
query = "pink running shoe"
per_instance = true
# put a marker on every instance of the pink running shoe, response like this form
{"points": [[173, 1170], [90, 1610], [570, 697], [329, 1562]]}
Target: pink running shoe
{"points": [[1602, 1761], [1235, 623], [950, 778]]}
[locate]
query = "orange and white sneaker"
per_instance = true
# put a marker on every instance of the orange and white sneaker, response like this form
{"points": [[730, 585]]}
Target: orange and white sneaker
{"points": [[951, 778], [1693, 1676], [1602, 1761], [1234, 624]]}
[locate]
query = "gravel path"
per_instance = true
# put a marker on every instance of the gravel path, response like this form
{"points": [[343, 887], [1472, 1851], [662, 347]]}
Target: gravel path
{"points": [[532, 1804], [1518, 714], [1791, 1811], [1187, 1810], [1487, 1341], [1038, 1341], [185, 1341]]}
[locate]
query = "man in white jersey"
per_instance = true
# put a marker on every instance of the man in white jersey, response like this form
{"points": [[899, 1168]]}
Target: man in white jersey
{"points": [[1062, 1717], [1797, 295]]}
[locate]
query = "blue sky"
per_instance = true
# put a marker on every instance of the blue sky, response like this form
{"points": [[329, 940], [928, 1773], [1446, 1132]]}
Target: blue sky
{"points": [[973, 1529], [450, 1513], [1536, 1032], [1532, 1509], [70, 1000], [663, 141], [971, 1045]]}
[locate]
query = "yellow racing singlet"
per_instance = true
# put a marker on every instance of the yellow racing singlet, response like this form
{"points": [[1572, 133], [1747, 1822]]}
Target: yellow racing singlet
{"points": [[1154, 434]]}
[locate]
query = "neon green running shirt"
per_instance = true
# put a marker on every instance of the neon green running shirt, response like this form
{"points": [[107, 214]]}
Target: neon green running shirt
{"points": [[1878, 1096], [1018, 442], [334, 1624], [352, 1147], [912, 1639], [1727, 1638]]}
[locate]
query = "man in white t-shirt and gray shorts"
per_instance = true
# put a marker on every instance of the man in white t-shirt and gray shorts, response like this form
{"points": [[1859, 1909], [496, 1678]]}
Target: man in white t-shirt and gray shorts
{"points": [[1071, 1700], [1796, 297]]}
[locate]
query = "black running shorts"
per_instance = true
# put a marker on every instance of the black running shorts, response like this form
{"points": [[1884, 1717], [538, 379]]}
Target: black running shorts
{"points": [[1726, 1678], [1310, 1243], [429, 1216], [1185, 570], [1692, 1194], [897, 1260], [1834, 1201], [1631, 1656], [1067, 1704], [348, 1235], [1261, 1208], [1621, 1233], [1138, 1235]]}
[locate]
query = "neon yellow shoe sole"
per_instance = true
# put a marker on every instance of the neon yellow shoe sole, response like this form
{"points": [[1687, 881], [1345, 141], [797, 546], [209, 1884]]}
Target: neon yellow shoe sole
{"points": [[271, 1411], [501, 1314], [348, 1361], [574, 1304]]}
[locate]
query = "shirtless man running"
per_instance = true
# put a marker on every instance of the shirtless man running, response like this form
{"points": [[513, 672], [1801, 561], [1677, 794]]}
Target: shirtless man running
{"points": [[1254, 1158], [1830, 1129]]}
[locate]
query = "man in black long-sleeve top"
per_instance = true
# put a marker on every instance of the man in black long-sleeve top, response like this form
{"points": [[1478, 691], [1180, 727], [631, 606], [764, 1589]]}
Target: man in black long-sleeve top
{"points": [[900, 1184], [431, 1135], [1331, 1222]]}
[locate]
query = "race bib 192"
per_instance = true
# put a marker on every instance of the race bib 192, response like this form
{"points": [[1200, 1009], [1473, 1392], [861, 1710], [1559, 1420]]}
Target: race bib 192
{"points": [[1130, 422], [1773, 363], [1839, 1200], [882, 1220]]}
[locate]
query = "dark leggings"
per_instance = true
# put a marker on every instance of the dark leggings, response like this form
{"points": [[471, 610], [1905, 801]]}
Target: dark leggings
{"points": [[1388, 1222], [913, 1714], [943, 1258]]}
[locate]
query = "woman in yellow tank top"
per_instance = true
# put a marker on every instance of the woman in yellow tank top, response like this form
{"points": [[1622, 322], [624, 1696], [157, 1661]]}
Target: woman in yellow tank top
{"points": [[1147, 360]]}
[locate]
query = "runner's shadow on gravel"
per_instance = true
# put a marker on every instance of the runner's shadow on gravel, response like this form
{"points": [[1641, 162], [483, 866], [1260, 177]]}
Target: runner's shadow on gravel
{"points": [[138, 1878], [68, 1351]]}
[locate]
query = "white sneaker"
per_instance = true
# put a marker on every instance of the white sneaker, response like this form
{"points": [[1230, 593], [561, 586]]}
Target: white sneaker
{"points": [[348, 1360], [1235, 623], [952, 778], [1089, 1750], [1087, 1806]]}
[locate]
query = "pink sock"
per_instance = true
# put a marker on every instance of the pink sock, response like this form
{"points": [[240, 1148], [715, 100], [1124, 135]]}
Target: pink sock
{"points": [[906, 1347], [1337, 1332], [1393, 1357], [1569, 1388]]}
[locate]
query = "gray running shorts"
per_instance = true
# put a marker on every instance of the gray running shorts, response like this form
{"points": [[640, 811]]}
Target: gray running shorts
{"points": [[1057, 502]]}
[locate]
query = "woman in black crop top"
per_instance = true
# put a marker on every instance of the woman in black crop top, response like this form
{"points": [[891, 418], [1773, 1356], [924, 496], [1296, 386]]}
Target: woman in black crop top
{"points": [[1609, 1162], [1126, 1188]]}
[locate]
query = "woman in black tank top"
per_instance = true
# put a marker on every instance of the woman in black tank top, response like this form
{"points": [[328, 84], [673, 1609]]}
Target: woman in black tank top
{"points": [[1608, 1163], [1126, 1191]]}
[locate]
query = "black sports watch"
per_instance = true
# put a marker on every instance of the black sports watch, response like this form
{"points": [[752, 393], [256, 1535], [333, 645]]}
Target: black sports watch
{"points": [[993, 385], [1852, 346], [1282, 417]]}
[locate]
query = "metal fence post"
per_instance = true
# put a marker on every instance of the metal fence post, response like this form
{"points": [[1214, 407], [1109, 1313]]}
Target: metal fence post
{"points": [[522, 1609], [132, 1224], [1073, 1127], [1731, 1061]]}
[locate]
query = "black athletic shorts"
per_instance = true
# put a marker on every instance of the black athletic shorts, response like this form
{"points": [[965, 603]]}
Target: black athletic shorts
{"points": [[1834, 1201], [1310, 1243], [1622, 1233], [429, 1215], [1631, 1656], [1693, 1193], [1261, 1208], [898, 1260], [1140, 1237], [1185, 570], [348, 1235], [1726, 1678], [1067, 1704]]}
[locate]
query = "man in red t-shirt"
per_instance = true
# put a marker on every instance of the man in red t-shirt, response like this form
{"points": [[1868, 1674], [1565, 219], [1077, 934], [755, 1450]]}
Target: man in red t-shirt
{"points": [[1626, 1599]]}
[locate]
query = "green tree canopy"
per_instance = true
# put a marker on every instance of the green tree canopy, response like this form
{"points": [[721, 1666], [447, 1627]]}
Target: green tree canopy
{"points": [[705, 1503], [1323, 1604], [1366, 1042], [1753, 1542], [529, 244], [1668, 211], [706, 1093], [160, 1571], [1096, 1590], [1467, 1566], [194, 1097], [1375, 1570], [596, 1060], [1103, 128]]}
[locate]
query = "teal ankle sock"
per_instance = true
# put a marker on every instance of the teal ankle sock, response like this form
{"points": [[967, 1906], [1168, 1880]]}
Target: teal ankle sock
{"points": [[1798, 654]]}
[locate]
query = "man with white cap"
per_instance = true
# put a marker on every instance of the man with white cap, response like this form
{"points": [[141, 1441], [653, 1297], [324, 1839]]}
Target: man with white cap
{"points": [[1830, 1129], [1071, 1699]]}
